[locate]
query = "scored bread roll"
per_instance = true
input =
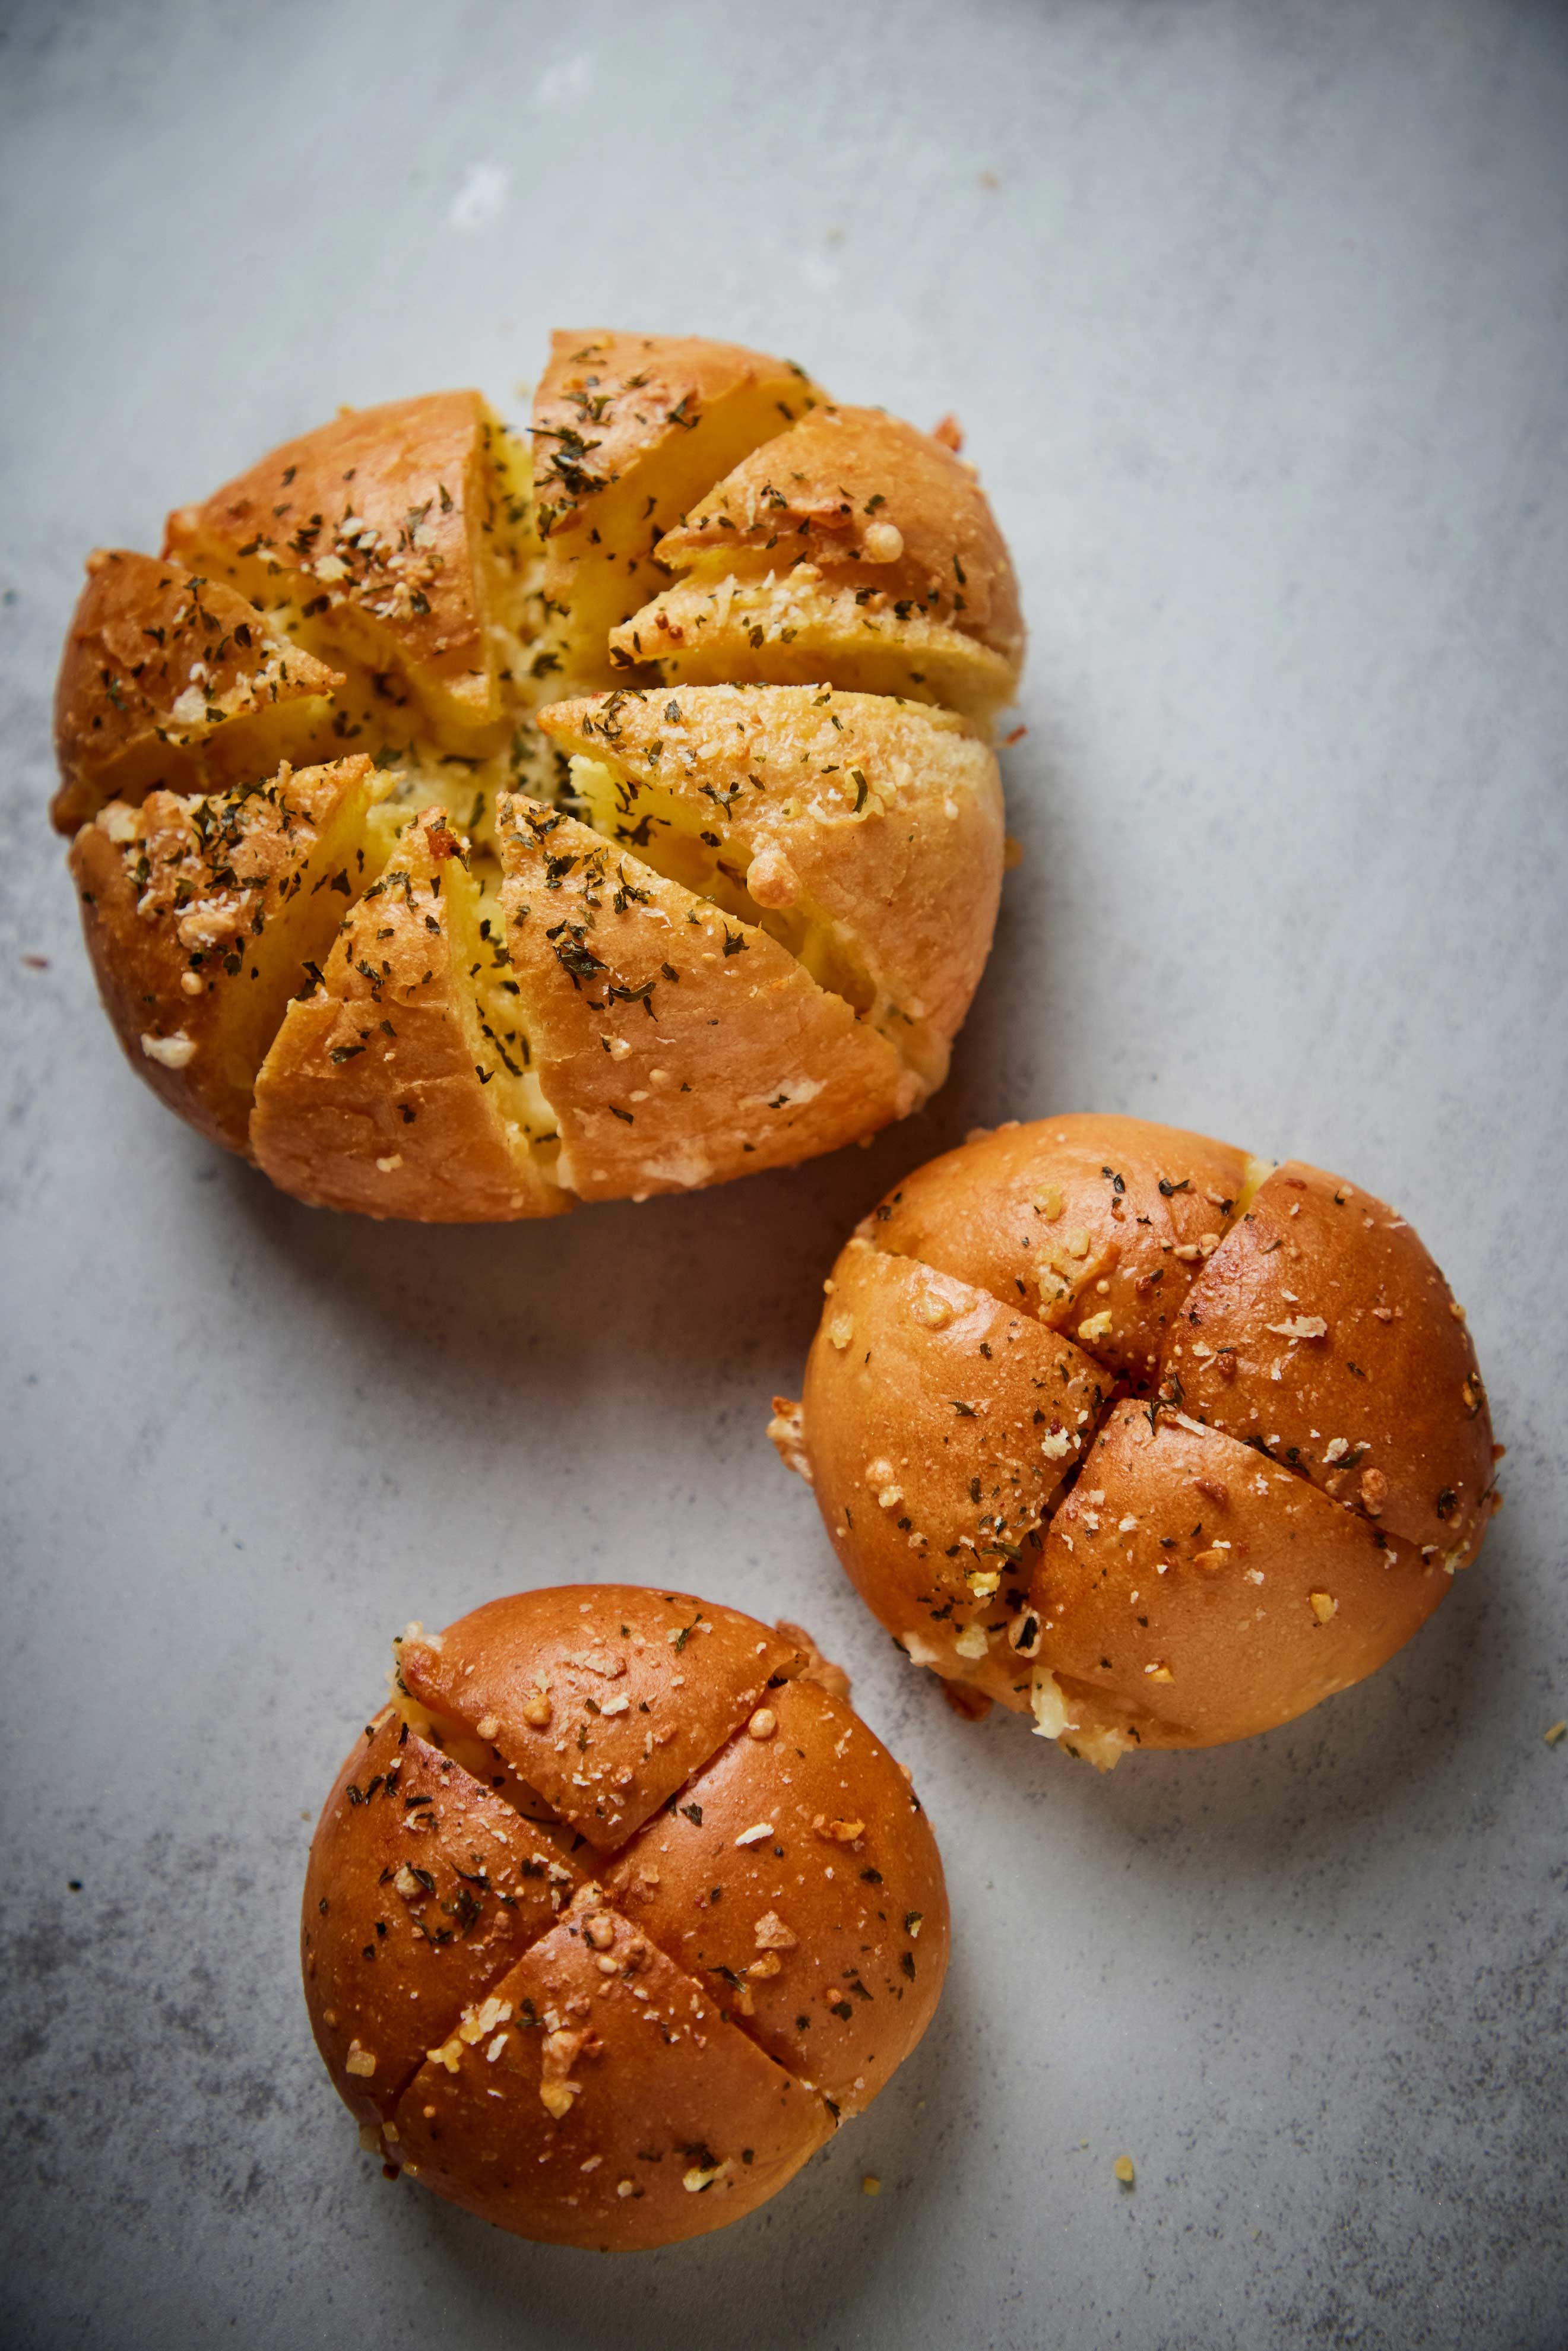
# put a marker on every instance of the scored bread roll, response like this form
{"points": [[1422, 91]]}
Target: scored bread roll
{"points": [[395, 598], [615, 1913], [1158, 1440]]}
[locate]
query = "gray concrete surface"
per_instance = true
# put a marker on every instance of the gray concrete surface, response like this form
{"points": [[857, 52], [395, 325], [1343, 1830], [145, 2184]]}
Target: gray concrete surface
{"points": [[1256, 316]]}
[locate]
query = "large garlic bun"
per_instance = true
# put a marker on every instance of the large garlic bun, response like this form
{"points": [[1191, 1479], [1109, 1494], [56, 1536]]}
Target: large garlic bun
{"points": [[414, 615]]}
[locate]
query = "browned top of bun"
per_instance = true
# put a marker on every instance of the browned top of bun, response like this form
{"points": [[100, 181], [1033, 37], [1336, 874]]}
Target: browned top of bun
{"points": [[453, 1884], [624, 1723], [1321, 1326], [609, 402], [811, 1934], [871, 500], [1309, 1461], [864, 834], [156, 666], [381, 524], [978, 1416], [1043, 1214], [1192, 1592], [671, 2122], [201, 915], [626, 2060]]}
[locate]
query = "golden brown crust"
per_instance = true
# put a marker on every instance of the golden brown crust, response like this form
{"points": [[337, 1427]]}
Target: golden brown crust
{"points": [[200, 915], [1322, 1329], [628, 430], [864, 834], [422, 1889], [380, 528], [1188, 1588], [940, 1426], [676, 1047], [172, 682], [876, 507], [635, 1689], [629, 2068], [1045, 1213], [383, 1091], [1237, 1597], [674, 2122], [827, 1938]]}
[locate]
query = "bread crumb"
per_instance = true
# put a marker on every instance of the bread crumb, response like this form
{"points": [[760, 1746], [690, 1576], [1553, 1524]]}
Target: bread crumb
{"points": [[175, 1052], [1324, 1606], [1123, 2168], [871, 2185]]}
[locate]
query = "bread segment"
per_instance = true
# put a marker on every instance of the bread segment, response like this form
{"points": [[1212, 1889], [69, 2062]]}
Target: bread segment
{"points": [[851, 548], [387, 1090], [1191, 1591], [604, 1703], [825, 1939], [1100, 1225], [609, 2104], [1321, 1330], [676, 1047], [175, 683], [423, 1889], [397, 534], [941, 1427], [865, 835], [201, 916]]}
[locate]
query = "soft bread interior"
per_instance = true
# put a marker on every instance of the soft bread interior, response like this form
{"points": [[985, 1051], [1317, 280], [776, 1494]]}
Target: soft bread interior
{"points": [[601, 526], [699, 848], [406, 1075], [744, 623]]}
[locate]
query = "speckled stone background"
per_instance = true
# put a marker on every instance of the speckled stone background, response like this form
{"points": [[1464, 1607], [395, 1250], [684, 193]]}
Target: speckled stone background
{"points": [[1258, 318]]}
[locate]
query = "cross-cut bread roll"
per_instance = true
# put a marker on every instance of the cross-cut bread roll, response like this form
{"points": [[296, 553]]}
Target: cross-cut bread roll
{"points": [[615, 1913], [483, 1025], [1122, 1425]]}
